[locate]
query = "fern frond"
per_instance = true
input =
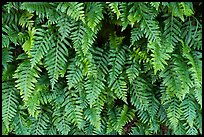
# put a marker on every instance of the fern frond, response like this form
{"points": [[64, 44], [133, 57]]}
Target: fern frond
{"points": [[160, 54], [12, 34], [124, 10], [33, 104], [113, 114], [88, 40], [125, 117], [9, 103], [176, 10], [190, 130], [162, 114], [132, 70], [6, 57], [192, 34], [114, 6], [150, 27], [189, 111], [21, 127], [101, 59], [29, 42], [172, 30], [184, 77], [64, 24], [5, 41], [26, 20], [174, 112], [171, 81], [74, 75], [136, 34], [73, 9], [42, 9], [153, 108], [116, 61], [155, 4], [180, 130], [55, 61], [139, 92], [26, 79], [198, 122], [93, 116], [187, 8], [77, 33], [94, 14], [73, 109], [61, 122], [138, 130], [42, 45], [39, 125], [94, 87], [119, 87]]}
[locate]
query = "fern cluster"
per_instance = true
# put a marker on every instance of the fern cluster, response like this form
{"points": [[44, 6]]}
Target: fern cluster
{"points": [[105, 68]]}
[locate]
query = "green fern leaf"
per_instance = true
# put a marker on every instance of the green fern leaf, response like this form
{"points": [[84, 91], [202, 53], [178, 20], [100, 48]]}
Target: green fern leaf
{"points": [[21, 127], [132, 70], [114, 6], [94, 87], [172, 30], [6, 57], [55, 61], [125, 117], [74, 74], [94, 14], [188, 107], [30, 42], [119, 87], [26, 20], [160, 54], [26, 79], [39, 125], [136, 34], [73, 109], [9, 104], [73, 9], [61, 122], [42, 45], [116, 60], [139, 94], [174, 112]]}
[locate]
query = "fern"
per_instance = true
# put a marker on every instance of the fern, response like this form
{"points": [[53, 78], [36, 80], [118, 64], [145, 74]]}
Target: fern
{"points": [[73, 109], [93, 88], [172, 30], [139, 94], [189, 110], [20, 125], [26, 21], [26, 79], [116, 60], [115, 8], [10, 103], [94, 14], [160, 55], [73, 9], [174, 113], [102, 68], [55, 61], [6, 57], [61, 123], [39, 125], [42, 45]]}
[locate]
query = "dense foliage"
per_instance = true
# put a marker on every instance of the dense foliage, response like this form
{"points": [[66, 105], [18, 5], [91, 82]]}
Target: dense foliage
{"points": [[102, 68]]}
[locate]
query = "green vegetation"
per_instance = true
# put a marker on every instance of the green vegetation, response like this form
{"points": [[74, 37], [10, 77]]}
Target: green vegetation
{"points": [[104, 68]]}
